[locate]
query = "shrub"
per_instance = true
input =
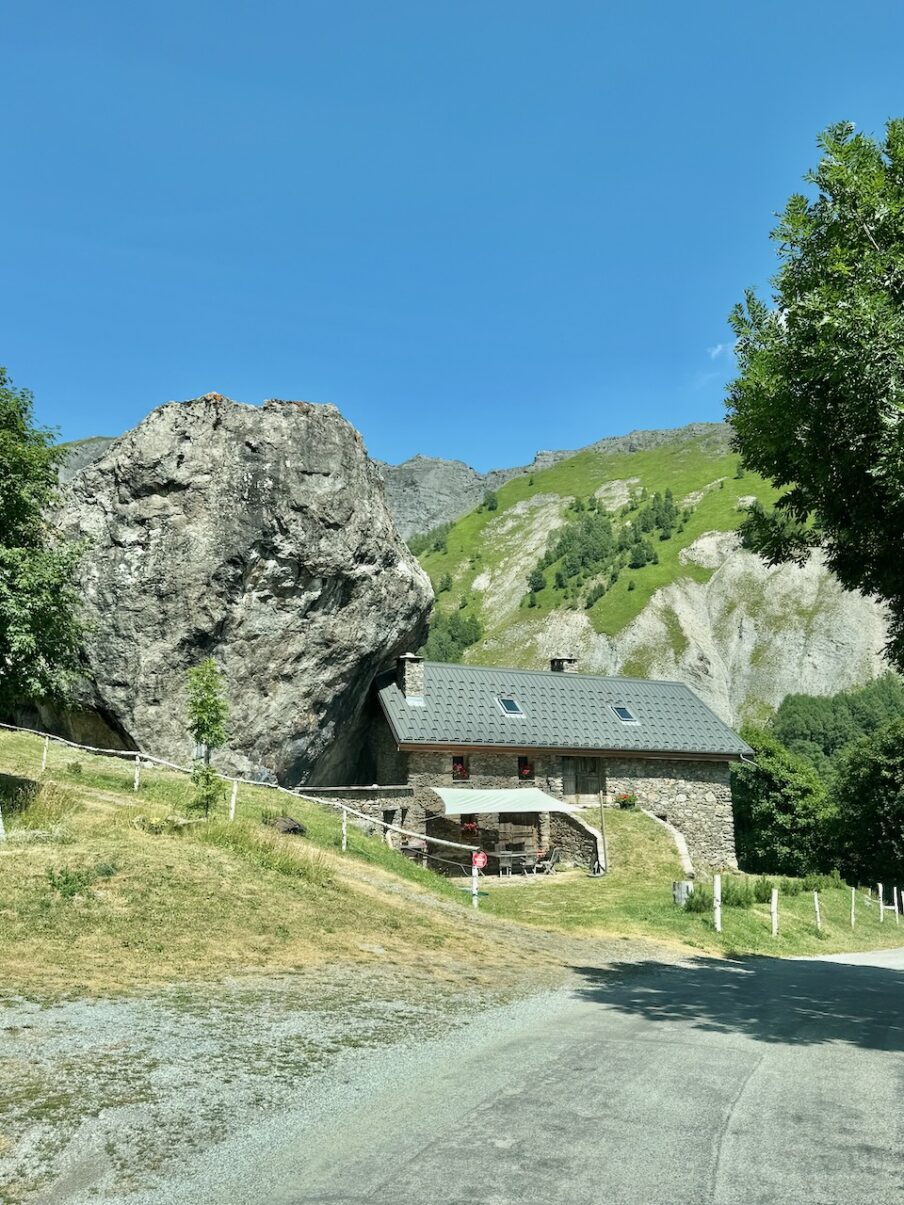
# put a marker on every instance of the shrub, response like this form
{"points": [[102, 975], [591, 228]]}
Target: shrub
{"points": [[594, 594], [822, 882], [791, 887], [69, 882], [627, 800], [762, 890], [869, 792], [783, 819], [33, 809], [74, 767], [736, 892], [699, 900], [209, 788], [444, 584]]}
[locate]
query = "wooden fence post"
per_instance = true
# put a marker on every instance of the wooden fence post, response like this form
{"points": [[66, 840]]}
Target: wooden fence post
{"points": [[344, 829], [233, 797], [773, 908], [44, 754], [136, 782], [2, 829], [717, 902], [816, 906], [853, 906], [881, 903], [894, 900], [475, 890]]}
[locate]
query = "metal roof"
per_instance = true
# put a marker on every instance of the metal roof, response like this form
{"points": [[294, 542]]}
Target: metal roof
{"points": [[461, 707]]}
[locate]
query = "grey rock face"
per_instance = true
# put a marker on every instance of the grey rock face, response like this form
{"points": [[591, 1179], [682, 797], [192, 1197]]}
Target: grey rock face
{"points": [[258, 535], [82, 453]]}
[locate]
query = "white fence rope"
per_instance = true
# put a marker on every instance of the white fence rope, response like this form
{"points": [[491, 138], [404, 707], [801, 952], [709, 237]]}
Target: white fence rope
{"points": [[295, 793]]}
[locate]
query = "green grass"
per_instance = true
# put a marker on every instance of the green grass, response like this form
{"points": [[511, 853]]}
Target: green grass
{"points": [[164, 791], [635, 900], [93, 901]]}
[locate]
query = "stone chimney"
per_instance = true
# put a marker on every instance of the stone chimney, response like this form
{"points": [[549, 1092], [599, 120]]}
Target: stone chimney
{"points": [[410, 675], [562, 665]]}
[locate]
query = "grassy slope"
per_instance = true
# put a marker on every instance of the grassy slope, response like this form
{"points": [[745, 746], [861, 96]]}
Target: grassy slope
{"points": [[214, 899], [638, 890], [685, 467], [236, 899]]}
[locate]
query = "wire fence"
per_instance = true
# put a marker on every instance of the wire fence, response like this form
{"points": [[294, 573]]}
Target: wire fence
{"points": [[139, 758]]}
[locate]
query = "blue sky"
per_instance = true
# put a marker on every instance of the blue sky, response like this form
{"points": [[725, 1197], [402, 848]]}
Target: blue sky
{"points": [[479, 229]]}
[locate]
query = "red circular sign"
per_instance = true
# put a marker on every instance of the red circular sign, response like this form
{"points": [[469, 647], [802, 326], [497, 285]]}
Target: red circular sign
{"points": [[478, 859]]}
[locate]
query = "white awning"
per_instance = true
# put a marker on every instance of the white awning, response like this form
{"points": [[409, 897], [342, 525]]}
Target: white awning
{"points": [[463, 801]]}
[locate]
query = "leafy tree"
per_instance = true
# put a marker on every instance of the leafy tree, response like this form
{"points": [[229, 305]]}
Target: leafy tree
{"points": [[208, 714], [869, 796], [208, 711], [40, 635], [536, 581], [445, 584], [450, 635], [817, 406], [822, 729], [433, 540], [783, 819], [491, 500]]}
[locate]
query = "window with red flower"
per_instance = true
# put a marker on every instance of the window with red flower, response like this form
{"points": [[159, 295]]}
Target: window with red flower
{"points": [[526, 769], [460, 768]]}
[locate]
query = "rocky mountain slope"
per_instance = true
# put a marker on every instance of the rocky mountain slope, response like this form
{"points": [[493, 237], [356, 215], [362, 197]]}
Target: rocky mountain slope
{"points": [[425, 491], [705, 611], [258, 535]]}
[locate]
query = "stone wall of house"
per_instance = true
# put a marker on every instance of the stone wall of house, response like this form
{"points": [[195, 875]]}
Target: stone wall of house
{"points": [[488, 771], [694, 796], [576, 841]]}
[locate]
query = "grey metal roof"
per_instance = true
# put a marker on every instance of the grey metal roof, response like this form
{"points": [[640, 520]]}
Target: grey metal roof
{"points": [[460, 707]]}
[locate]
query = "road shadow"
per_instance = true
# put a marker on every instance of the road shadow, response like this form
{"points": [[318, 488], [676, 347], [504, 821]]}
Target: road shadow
{"points": [[768, 999]]}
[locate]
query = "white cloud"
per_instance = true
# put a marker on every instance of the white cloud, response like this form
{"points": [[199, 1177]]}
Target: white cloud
{"points": [[718, 350]]}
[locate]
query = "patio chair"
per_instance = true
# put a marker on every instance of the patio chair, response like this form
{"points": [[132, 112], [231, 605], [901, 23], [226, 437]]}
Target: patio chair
{"points": [[547, 864]]}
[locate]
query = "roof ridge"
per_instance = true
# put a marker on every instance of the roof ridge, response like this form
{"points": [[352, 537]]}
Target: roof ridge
{"points": [[514, 669]]}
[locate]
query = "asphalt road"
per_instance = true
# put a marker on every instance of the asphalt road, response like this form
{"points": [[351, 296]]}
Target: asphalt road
{"points": [[755, 1081]]}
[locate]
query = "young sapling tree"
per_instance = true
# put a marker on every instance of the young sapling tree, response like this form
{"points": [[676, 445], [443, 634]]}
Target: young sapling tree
{"points": [[208, 714]]}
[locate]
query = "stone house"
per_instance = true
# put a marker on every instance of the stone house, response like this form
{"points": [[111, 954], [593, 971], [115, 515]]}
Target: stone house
{"points": [[509, 755]]}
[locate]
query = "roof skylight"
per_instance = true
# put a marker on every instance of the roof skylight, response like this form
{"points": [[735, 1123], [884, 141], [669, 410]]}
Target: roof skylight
{"points": [[509, 705], [625, 714]]}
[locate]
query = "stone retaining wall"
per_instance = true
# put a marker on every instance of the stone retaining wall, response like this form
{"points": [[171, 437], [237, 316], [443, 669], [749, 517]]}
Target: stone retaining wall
{"points": [[575, 839], [694, 796]]}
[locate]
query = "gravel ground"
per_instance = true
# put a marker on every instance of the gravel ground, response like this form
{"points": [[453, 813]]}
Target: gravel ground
{"points": [[130, 1099]]}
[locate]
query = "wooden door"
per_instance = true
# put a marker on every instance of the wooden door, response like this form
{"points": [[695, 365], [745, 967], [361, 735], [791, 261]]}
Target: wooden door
{"points": [[583, 778]]}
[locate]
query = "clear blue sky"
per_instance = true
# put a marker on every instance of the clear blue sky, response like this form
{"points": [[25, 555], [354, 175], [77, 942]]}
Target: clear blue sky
{"points": [[478, 228]]}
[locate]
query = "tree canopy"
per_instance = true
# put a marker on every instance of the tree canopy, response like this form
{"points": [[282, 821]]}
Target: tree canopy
{"points": [[39, 631], [782, 814], [869, 793], [822, 728], [208, 711], [818, 405]]}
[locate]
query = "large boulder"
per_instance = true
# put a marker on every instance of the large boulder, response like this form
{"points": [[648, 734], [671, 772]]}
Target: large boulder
{"points": [[257, 535]]}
